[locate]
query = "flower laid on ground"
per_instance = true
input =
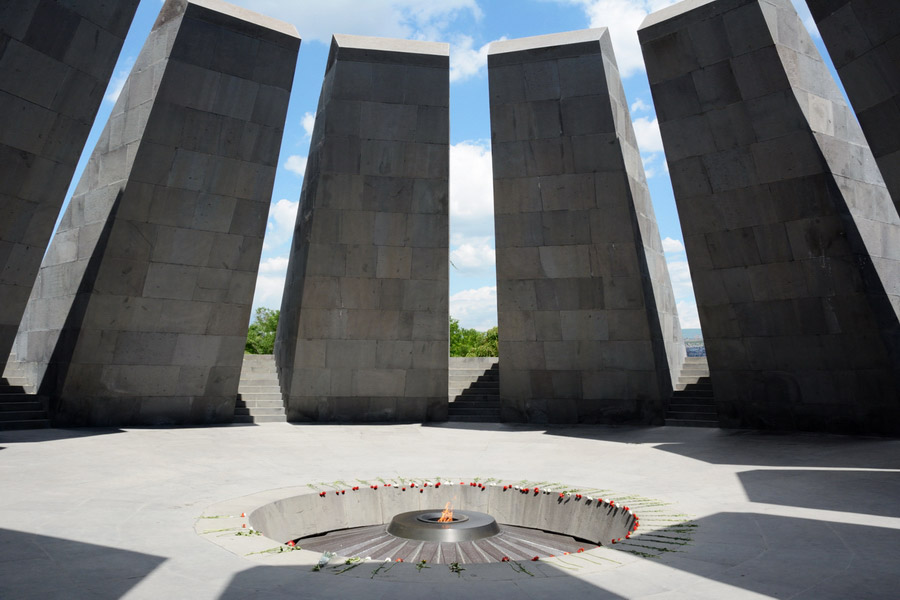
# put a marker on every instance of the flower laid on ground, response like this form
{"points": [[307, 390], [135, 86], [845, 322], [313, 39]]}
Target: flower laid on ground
{"points": [[504, 559], [421, 565], [323, 560], [455, 568], [292, 543], [536, 558]]}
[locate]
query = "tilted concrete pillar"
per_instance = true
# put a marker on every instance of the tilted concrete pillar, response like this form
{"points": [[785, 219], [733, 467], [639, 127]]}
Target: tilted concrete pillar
{"points": [[792, 239], [56, 59], [588, 326], [863, 38], [364, 327], [141, 308]]}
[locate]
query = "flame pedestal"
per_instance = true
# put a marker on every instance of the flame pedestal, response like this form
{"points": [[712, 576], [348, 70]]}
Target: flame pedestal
{"points": [[424, 525]]}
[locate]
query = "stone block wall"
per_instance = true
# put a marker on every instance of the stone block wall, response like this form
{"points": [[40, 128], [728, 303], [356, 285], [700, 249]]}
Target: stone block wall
{"points": [[791, 236], [56, 59], [588, 327], [364, 328], [140, 312], [863, 38]]}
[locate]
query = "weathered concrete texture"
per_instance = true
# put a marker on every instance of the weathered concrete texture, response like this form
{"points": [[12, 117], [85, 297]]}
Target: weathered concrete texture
{"points": [[363, 333], [140, 311], [792, 239], [863, 38], [56, 59], [589, 330]]}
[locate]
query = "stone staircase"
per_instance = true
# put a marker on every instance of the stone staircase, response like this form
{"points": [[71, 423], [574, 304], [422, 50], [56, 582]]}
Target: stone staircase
{"points": [[259, 393], [20, 407], [474, 390], [692, 403]]}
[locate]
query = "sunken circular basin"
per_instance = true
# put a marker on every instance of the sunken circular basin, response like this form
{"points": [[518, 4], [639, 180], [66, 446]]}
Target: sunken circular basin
{"points": [[427, 526]]}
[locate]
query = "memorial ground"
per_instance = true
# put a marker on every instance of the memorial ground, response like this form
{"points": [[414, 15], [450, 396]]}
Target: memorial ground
{"points": [[110, 513]]}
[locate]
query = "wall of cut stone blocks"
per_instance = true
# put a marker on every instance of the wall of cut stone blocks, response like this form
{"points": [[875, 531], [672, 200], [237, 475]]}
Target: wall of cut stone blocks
{"points": [[589, 330], [56, 59], [363, 333], [140, 312], [792, 239], [863, 39]]}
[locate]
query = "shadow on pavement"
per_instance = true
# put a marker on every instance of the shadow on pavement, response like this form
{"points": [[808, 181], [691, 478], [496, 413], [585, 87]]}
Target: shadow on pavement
{"points": [[25, 436], [861, 492], [34, 566]]}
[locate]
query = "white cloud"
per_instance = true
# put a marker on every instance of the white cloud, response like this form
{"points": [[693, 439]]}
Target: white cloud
{"points": [[466, 61], [269, 289], [296, 164], [680, 275], [640, 106], [419, 19], [475, 308], [472, 254], [282, 216], [687, 314], [623, 17], [274, 264], [308, 122], [118, 80], [672, 245], [471, 181], [648, 136]]}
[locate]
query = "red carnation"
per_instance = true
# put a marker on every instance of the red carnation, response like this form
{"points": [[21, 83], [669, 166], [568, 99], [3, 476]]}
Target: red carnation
{"points": [[404, 489], [626, 509], [525, 490], [438, 484], [292, 543], [627, 536], [561, 495], [420, 491], [505, 487], [581, 549], [243, 515], [322, 494], [399, 560], [536, 558], [504, 559], [613, 541], [537, 491]]}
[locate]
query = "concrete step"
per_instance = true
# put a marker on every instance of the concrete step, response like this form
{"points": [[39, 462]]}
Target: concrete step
{"points": [[23, 415], [473, 398], [692, 390], [260, 403], [692, 405], [692, 415], [26, 424], [258, 381], [259, 412], [275, 397], [474, 418], [495, 405], [494, 414], [259, 419], [694, 373], [691, 423], [19, 404]]}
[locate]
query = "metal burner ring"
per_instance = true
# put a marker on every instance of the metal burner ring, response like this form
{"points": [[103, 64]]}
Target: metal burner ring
{"points": [[422, 525]]}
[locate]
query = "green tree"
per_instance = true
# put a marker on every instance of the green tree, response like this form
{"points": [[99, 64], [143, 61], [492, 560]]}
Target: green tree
{"points": [[261, 335], [469, 342]]}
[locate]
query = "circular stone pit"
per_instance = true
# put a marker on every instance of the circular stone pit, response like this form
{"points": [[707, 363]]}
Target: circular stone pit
{"points": [[274, 525]]}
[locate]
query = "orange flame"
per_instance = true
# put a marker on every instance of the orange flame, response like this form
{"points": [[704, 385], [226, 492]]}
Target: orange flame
{"points": [[446, 514]]}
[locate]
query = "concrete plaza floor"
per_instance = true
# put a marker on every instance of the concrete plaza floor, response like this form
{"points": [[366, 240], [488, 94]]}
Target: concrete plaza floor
{"points": [[108, 513]]}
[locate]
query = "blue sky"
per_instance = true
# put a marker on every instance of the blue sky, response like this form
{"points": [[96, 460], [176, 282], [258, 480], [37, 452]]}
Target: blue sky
{"points": [[468, 26]]}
